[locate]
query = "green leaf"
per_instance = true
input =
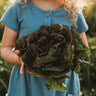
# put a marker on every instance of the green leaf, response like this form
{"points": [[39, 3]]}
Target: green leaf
{"points": [[3, 83]]}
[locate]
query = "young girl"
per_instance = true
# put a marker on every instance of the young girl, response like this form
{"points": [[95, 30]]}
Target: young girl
{"points": [[25, 17]]}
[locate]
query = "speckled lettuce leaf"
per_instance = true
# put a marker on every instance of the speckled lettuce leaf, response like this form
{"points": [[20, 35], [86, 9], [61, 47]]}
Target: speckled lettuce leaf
{"points": [[53, 83], [52, 51]]}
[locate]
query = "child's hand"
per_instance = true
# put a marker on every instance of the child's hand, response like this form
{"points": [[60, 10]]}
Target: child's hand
{"points": [[22, 69]]}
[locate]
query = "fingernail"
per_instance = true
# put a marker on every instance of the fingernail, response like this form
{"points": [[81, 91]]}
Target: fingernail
{"points": [[21, 73]]}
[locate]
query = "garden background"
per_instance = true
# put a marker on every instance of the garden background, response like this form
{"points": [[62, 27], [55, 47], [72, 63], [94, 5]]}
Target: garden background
{"points": [[88, 72]]}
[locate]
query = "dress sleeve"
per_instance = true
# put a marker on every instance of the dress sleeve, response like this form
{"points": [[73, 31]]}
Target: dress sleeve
{"points": [[81, 23], [10, 18]]}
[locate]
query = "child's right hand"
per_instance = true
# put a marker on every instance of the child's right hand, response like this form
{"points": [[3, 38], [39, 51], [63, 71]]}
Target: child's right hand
{"points": [[22, 68]]}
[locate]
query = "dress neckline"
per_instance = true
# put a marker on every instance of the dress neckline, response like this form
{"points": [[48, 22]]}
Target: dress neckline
{"points": [[31, 3]]}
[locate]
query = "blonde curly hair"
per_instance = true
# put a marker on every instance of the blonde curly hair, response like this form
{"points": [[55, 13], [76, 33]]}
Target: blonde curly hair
{"points": [[71, 6]]}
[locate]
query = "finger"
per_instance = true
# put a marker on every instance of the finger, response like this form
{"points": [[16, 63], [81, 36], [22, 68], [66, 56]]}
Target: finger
{"points": [[17, 52], [22, 69]]}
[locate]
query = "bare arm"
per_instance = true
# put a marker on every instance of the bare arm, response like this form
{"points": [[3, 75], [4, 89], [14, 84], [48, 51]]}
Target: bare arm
{"points": [[8, 42], [84, 38]]}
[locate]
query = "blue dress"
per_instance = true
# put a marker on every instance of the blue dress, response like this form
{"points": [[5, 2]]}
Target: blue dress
{"points": [[29, 20]]}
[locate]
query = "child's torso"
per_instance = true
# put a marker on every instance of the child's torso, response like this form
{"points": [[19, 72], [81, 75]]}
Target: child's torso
{"points": [[34, 17]]}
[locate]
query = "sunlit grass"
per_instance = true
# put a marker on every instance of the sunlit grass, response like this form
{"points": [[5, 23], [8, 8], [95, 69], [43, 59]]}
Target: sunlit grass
{"points": [[88, 5]]}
